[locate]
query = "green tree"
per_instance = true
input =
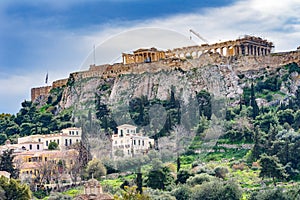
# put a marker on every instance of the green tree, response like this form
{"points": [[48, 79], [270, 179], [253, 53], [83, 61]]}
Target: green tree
{"points": [[217, 190], [286, 116], [95, 168], [272, 168], [14, 190], [274, 194], [204, 102], [255, 109], [182, 193], [183, 176], [160, 178], [199, 179], [3, 138], [296, 124], [6, 163], [53, 146], [131, 193]]}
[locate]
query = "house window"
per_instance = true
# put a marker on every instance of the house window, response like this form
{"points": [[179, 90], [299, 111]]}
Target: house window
{"points": [[29, 159], [38, 147], [47, 143], [139, 142], [134, 142], [70, 132], [143, 142], [58, 141], [39, 139], [128, 152], [66, 142], [70, 141], [77, 141], [45, 159], [76, 132], [127, 131], [121, 133], [30, 146]]}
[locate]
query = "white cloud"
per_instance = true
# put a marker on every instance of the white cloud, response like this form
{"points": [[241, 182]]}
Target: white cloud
{"points": [[277, 21]]}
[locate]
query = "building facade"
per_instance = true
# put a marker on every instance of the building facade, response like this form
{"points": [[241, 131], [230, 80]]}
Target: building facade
{"points": [[127, 142], [65, 138]]}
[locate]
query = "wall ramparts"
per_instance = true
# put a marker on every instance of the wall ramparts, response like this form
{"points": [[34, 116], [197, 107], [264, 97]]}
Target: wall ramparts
{"points": [[245, 54], [39, 91]]}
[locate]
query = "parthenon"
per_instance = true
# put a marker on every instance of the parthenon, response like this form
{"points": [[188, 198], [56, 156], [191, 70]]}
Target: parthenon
{"points": [[246, 46]]}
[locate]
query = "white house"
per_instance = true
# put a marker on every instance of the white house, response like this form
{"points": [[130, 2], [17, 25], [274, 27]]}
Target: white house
{"points": [[128, 143], [39, 142]]}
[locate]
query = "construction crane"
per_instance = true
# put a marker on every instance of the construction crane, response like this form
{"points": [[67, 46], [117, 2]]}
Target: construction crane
{"points": [[199, 36]]}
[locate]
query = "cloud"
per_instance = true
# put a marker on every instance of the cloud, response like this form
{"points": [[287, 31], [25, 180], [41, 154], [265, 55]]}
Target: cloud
{"points": [[61, 50]]}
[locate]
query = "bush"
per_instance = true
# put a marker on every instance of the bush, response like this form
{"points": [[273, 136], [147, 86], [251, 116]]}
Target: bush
{"points": [[199, 179], [59, 196], [182, 193], [182, 176], [275, 194], [217, 190]]}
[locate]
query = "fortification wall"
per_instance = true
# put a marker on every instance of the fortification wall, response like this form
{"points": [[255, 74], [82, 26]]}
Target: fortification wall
{"points": [[39, 91], [239, 62], [59, 83]]}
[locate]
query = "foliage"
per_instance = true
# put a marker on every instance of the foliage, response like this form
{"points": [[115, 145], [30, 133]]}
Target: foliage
{"points": [[14, 190], [221, 172], [31, 120], [271, 167], [53, 146], [131, 193], [182, 192], [59, 196], [95, 168], [204, 102], [274, 194], [183, 176], [160, 178], [255, 109], [7, 164], [285, 116], [217, 190], [199, 179]]}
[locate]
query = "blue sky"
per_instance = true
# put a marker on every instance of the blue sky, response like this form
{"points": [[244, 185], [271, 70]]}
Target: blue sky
{"points": [[58, 37]]}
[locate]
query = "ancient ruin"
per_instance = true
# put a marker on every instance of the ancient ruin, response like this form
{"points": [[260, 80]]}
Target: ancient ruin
{"points": [[246, 46], [254, 51], [143, 55]]}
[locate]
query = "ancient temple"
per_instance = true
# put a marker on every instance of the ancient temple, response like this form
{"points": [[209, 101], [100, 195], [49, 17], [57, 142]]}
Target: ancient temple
{"points": [[143, 55]]}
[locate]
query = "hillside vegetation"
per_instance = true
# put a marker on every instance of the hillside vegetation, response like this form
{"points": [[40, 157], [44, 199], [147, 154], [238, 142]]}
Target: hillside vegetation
{"points": [[247, 148]]}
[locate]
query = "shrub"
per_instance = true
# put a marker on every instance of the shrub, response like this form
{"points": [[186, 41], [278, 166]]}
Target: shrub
{"points": [[199, 179], [217, 190]]}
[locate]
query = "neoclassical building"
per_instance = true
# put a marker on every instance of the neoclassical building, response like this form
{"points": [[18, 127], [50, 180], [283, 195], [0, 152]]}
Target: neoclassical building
{"points": [[127, 142], [39, 142]]}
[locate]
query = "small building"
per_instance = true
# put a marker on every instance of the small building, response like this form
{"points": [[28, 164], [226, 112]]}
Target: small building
{"points": [[93, 191], [143, 55], [128, 142]]}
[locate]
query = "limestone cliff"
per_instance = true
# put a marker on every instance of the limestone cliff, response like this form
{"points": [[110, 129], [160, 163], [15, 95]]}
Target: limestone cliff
{"points": [[222, 77]]}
